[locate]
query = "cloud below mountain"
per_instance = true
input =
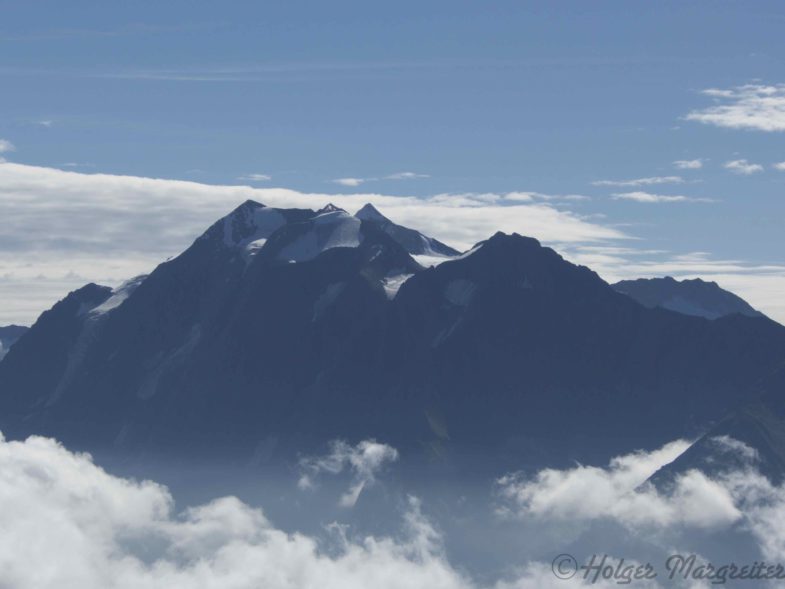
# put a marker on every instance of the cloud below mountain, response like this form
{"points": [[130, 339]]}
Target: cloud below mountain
{"points": [[619, 492], [68, 523]]}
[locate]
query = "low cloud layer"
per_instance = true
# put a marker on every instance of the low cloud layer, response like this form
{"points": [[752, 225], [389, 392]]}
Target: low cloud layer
{"points": [[68, 523], [620, 492]]}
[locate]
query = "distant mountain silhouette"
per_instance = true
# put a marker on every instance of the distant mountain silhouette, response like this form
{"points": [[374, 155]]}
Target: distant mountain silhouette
{"points": [[690, 297], [298, 326]]}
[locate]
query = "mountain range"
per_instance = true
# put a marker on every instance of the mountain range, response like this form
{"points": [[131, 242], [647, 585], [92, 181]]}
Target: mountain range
{"points": [[278, 329]]}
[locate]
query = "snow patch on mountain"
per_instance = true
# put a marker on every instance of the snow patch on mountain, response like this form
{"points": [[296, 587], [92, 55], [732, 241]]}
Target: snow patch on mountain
{"points": [[250, 226], [119, 296], [393, 282], [329, 230], [430, 261]]}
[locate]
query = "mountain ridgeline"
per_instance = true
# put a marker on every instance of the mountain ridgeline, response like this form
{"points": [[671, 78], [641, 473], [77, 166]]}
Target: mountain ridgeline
{"points": [[299, 326]]}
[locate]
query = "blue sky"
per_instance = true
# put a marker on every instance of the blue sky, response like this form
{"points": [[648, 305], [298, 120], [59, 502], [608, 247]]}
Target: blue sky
{"points": [[422, 99]]}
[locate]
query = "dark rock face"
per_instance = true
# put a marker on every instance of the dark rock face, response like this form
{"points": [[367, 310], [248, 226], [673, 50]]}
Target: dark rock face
{"points": [[305, 326], [9, 335], [758, 424], [690, 297]]}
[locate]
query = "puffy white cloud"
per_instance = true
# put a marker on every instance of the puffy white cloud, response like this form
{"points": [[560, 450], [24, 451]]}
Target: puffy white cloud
{"points": [[364, 460], [779, 166], [641, 181], [67, 523], [648, 197], [735, 499], [688, 164], [63, 228], [742, 167], [756, 107], [619, 492]]}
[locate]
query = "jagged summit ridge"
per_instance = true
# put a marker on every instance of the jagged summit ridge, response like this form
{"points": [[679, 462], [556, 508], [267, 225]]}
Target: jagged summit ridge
{"points": [[415, 242]]}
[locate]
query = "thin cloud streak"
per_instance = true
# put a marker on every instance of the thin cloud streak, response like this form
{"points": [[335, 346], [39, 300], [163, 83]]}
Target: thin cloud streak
{"points": [[688, 164], [641, 181], [647, 197], [255, 177], [742, 167]]}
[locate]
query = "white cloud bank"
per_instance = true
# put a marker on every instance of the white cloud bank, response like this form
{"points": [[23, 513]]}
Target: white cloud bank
{"points": [[68, 523], [755, 107], [364, 460], [62, 229]]}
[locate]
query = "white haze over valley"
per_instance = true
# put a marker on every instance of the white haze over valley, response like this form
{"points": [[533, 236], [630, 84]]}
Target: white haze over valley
{"points": [[67, 523], [62, 229]]}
